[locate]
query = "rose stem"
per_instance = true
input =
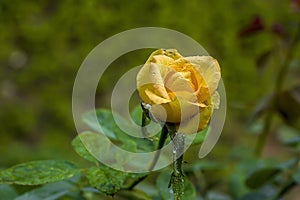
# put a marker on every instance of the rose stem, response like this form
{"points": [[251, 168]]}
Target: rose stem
{"points": [[177, 177], [144, 121], [162, 139], [277, 89]]}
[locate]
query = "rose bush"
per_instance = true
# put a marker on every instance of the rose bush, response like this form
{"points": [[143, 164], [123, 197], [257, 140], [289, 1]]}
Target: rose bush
{"points": [[180, 90]]}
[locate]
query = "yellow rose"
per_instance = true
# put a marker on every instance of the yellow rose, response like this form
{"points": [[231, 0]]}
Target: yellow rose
{"points": [[180, 90]]}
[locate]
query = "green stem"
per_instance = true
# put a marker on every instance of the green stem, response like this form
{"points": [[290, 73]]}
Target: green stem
{"points": [[162, 139], [288, 183], [144, 122], [277, 89], [177, 178], [136, 182], [285, 65], [265, 132], [287, 187], [161, 142], [145, 116]]}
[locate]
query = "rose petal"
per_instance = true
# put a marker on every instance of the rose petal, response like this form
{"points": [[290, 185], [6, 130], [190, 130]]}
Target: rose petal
{"points": [[176, 81], [193, 75], [155, 98], [157, 79], [162, 60], [157, 52], [169, 53], [178, 110], [215, 98], [197, 122], [172, 53], [209, 68], [150, 78]]}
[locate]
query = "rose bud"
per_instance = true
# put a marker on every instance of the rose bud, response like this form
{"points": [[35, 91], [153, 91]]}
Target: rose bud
{"points": [[180, 90]]}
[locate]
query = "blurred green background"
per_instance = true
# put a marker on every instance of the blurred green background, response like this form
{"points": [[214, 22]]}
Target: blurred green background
{"points": [[43, 44]]}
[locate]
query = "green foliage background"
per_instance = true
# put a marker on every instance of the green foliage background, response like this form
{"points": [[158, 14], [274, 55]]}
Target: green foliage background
{"points": [[43, 44]]}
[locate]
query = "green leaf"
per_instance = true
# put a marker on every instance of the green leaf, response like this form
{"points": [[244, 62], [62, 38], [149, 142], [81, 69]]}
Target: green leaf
{"points": [[200, 136], [94, 146], [7, 192], [110, 129], [51, 191], [106, 180], [253, 196], [136, 115], [105, 119], [162, 184], [287, 164], [38, 172], [137, 175], [289, 136], [189, 190], [296, 176], [80, 148], [130, 145], [203, 165], [134, 194], [261, 176], [214, 195], [166, 193], [236, 184], [288, 105]]}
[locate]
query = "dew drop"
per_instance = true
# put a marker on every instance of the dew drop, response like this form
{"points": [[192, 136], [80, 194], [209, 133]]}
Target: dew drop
{"points": [[148, 106]]}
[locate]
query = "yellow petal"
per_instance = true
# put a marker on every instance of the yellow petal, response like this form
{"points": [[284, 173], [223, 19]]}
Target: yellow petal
{"points": [[155, 98], [150, 78], [188, 96], [162, 60], [209, 68], [168, 53], [157, 52], [215, 98], [175, 111], [157, 79], [190, 72], [175, 81], [167, 112], [172, 53], [197, 122]]}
